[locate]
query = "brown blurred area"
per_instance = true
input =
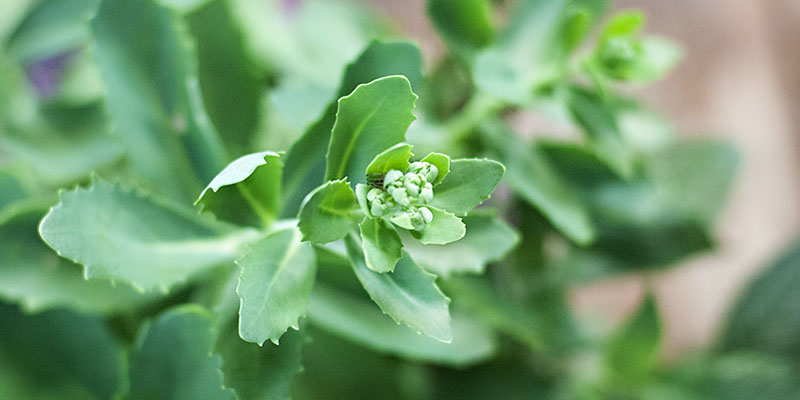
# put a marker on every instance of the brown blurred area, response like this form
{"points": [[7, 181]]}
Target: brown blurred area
{"points": [[740, 80]]}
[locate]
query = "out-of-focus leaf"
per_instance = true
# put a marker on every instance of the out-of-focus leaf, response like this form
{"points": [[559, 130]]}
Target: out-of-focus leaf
{"points": [[765, 316], [58, 355], [479, 298], [532, 177], [306, 40], [52, 27], [633, 349], [123, 236], [328, 212], [64, 144], [154, 97], [173, 359], [487, 239], [381, 243], [639, 222], [697, 175], [368, 375], [12, 189], [408, 295], [231, 88], [374, 117], [33, 275], [246, 190], [598, 120], [469, 183], [624, 55], [443, 229], [735, 376], [533, 50], [274, 286], [363, 323], [305, 162], [259, 372], [465, 24], [644, 130]]}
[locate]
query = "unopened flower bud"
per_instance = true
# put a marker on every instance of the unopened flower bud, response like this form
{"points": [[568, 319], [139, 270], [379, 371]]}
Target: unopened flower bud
{"points": [[426, 194], [391, 176], [373, 194], [400, 195], [427, 215], [433, 172]]}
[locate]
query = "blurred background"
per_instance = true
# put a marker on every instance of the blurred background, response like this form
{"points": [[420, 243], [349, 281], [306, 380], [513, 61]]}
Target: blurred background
{"points": [[739, 80]]}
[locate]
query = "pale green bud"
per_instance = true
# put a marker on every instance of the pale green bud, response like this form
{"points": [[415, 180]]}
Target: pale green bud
{"points": [[373, 194], [426, 194], [399, 195], [427, 215], [433, 172], [391, 176]]}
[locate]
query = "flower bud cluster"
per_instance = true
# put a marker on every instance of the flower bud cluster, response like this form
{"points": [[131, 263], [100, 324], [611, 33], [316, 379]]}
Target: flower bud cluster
{"points": [[404, 195]]}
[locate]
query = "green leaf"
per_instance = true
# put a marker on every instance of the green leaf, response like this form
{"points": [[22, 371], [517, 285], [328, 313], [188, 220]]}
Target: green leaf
{"points": [[369, 120], [33, 275], [232, 90], [395, 157], [327, 213], [533, 50], [469, 183], [274, 285], [634, 348], [443, 229], [535, 180], [58, 355], [598, 120], [465, 24], [306, 162], [529, 326], [52, 27], [124, 236], [763, 318], [623, 24], [381, 243], [172, 358], [153, 96], [487, 239], [260, 372], [247, 190], [64, 143], [697, 175], [362, 323], [408, 295], [734, 376], [638, 222], [442, 163], [12, 188]]}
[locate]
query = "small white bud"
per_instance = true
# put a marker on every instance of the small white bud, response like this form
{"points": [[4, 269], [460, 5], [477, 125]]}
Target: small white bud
{"points": [[427, 215], [426, 194], [391, 176], [432, 173], [373, 194]]}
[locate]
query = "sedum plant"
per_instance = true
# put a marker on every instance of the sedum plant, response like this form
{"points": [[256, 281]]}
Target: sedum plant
{"points": [[218, 199]]}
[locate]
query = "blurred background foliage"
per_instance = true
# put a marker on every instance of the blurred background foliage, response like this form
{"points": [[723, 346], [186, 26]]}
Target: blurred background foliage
{"points": [[160, 95]]}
